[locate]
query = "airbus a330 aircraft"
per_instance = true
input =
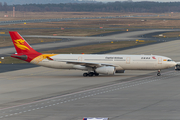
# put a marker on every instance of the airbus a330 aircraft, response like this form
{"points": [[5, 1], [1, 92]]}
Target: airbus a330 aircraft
{"points": [[94, 64]]}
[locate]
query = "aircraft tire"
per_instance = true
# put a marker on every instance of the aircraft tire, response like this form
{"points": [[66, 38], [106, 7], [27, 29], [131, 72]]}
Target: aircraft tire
{"points": [[91, 74], [85, 74], [158, 74], [96, 74]]}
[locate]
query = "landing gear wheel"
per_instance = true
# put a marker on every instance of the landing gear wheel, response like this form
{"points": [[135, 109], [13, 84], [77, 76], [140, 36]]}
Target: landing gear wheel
{"points": [[96, 74], [91, 74], [159, 73], [85, 74]]}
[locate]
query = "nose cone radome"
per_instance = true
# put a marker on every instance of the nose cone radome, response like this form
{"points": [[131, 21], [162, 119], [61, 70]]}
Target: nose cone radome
{"points": [[173, 64]]}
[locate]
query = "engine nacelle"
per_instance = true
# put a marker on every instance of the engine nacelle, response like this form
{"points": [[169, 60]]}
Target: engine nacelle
{"points": [[177, 67], [106, 70]]}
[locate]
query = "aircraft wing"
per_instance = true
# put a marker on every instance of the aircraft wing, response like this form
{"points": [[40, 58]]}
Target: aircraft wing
{"points": [[88, 64]]}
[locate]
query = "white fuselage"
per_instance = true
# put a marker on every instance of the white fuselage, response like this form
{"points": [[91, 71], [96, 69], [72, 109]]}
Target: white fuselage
{"points": [[121, 62]]}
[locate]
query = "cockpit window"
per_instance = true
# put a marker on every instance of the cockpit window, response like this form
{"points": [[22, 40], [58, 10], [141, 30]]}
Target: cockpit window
{"points": [[169, 60]]}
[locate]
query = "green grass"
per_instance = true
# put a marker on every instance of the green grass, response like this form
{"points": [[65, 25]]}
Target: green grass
{"points": [[11, 60], [89, 49], [168, 34]]}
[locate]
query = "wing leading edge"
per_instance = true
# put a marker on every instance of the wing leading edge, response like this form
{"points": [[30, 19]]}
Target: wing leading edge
{"points": [[87, 64]]}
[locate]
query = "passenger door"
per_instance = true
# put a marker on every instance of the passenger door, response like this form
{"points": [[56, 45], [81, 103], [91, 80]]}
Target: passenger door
{"points": [[128, 59], [159, 60]]}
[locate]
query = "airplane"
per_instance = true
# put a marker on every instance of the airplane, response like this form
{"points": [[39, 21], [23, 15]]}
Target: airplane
{"points": [[94, 64]]}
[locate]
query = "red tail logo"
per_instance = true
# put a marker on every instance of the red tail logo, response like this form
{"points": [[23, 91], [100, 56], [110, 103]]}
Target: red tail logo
{"points": [[24, 50]]}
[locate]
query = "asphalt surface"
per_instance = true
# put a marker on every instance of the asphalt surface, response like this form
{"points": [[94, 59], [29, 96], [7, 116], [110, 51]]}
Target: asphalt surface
{"points": [[13, 67], [40, 93]]}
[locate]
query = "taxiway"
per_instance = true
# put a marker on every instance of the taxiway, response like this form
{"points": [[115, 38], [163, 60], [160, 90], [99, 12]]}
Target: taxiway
{"points": [[42, 93]]}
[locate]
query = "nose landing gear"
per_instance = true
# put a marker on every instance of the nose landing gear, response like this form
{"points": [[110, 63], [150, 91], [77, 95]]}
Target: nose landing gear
{"points": [[159, 73]]}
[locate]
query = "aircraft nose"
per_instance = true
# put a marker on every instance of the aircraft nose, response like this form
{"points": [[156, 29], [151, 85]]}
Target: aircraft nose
{"points": [[173, 64]]}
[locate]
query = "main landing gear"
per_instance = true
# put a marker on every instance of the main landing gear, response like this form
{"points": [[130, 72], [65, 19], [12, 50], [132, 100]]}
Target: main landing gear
{"points": [[159, 73], [90, 74]]}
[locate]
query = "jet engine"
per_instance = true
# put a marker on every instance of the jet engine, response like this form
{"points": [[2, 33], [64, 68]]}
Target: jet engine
{"points": [[106, 70]]}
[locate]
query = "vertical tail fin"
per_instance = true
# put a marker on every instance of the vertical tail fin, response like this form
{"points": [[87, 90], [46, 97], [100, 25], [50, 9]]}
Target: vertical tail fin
{"points": [[23, 49]]}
